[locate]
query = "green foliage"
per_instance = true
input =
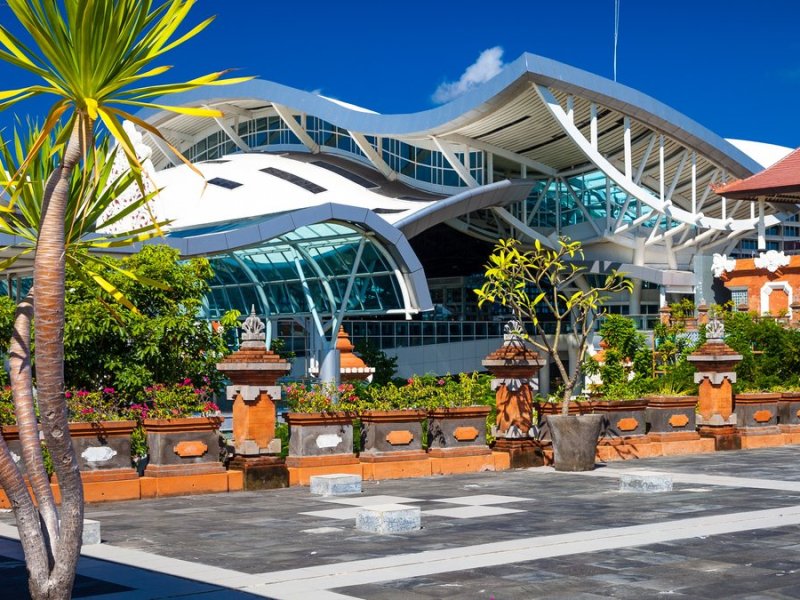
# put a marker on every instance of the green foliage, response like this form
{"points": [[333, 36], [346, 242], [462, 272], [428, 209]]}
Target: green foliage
{"points": [[278, 346], [95, 406], [546, 280], [282, 433], [163, 341], [47, 458], [385, 366], [770, 352], [175, 401], [7, 415], [623, 391], [390, 396], [321, 398], [627, 366], [139, 447]]}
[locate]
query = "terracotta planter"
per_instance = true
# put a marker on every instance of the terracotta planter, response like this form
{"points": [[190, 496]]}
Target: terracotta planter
{"points": [[320, 434], [789, 410], [667, 415], [575, 441], [756, 410], [391, 434], [621, 418], [548, 409], [457, 431], [189, 446], [102, 446]]}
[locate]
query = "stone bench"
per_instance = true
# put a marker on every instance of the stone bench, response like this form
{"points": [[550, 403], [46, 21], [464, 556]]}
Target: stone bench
{"points": [[645, 483], [389, 518], [335, 485]]}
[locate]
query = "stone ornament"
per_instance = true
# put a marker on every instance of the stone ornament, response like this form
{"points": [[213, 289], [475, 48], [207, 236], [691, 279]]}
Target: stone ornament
{"points": [[715, 329], [720, 264], [98, 454], [328, 440], [771, 260], [253, 328]]}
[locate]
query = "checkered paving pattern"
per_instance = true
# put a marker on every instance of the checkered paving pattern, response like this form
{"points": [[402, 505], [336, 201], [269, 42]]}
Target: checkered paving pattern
{"points": [[466, 507]]}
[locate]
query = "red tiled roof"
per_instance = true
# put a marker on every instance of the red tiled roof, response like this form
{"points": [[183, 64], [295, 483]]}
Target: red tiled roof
{"points": [[778, 183]]}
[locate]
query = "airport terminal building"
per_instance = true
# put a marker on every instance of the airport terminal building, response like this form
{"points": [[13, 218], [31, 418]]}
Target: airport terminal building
{"points": [[320, 213]]}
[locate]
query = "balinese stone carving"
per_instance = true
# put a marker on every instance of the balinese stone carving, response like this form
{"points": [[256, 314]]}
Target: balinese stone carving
{"points": [[97, 454], [720, 264], [771, 260]]}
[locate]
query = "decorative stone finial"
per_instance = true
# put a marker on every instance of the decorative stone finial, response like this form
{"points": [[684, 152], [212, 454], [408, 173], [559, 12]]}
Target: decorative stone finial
{"points": [[512, 332], [715, 329], [253, 329]]}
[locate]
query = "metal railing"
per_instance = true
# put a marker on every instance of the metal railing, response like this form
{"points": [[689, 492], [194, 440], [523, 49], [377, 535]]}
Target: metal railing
{"points": [[389, 335]]}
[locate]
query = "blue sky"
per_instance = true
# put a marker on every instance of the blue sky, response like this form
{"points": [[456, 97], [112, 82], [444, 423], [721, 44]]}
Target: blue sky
{"points": [[733, 66]]}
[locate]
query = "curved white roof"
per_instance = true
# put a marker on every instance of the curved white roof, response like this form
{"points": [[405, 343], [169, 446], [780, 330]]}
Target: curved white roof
{"points": [[607, 163], [764, 154]]}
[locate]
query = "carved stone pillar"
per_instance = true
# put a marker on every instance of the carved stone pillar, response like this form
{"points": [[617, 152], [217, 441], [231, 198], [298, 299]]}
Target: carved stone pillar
{"points": [[716, 362], [253, 371], [515, 367]]}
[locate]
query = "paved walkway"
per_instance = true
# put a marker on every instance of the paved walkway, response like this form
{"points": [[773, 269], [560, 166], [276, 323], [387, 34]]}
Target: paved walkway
{"points": [[729, 529]]}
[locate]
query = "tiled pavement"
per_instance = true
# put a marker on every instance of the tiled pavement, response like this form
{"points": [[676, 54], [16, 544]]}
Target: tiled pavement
{"points": [[481, 533]]}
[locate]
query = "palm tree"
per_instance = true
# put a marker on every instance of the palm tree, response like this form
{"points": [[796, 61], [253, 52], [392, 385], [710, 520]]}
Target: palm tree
{"points": [[92, 55]]}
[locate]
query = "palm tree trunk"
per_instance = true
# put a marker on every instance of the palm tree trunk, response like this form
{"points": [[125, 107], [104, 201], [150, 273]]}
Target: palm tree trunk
{"points": [[48, 276], [30, 532], [20, 370]]}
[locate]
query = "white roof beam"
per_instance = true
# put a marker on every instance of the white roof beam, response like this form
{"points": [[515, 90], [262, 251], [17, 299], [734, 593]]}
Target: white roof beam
{"points": [[286, 116], [165, 150], [176, 137], [626, 134], [677, 176], [521, 227], [604, 165], [231, 110], [234, 137], [640, 171], [503, 153], [582, 208], [373, 156], [458, 166], [667, 234]]}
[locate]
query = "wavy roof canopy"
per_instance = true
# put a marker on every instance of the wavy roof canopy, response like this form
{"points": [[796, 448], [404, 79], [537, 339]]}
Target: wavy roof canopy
{"points": [[537, 119]]}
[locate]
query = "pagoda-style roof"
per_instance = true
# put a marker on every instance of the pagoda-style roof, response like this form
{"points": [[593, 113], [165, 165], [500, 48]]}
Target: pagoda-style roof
{"points": [[778, 183]]}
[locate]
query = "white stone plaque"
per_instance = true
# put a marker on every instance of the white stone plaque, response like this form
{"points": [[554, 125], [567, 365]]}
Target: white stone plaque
{"points": [[98, 454], [328, 440]]}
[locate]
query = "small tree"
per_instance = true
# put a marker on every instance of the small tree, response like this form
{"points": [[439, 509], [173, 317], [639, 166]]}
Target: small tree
{"points": [[543, 280]]}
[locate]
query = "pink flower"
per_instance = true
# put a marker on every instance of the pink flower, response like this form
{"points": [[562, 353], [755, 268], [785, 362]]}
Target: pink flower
{"points": [[410, 380], [440, 382], [108, 390], [87, 410], [187, 381], [67, 394]]}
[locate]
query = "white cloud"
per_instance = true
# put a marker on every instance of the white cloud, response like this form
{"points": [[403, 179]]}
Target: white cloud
{"points": [[489, 64]]}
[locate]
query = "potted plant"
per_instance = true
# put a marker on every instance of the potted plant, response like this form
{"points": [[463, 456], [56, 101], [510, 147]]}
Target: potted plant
{"points": [[544, 280], [756, 407], [101, 430], [458, 408], [671, 409], [182, 427], [320, 421], [789, 407], [623, 410], [391, 423]]}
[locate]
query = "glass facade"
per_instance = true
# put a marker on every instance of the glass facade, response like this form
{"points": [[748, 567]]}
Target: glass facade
{"points": [[309, 268], [427, 168]]}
